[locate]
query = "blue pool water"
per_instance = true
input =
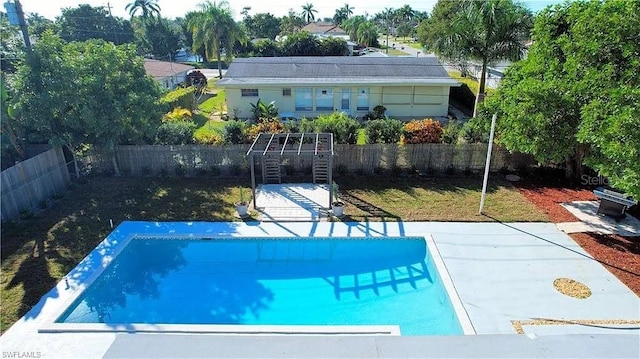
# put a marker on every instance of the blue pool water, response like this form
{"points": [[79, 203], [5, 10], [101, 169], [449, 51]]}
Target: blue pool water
{"points": [[313, 281]]}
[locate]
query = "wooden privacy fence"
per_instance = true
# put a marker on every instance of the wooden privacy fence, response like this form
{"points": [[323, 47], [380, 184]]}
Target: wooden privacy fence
{"points": [[367, 159], [25, 185]]}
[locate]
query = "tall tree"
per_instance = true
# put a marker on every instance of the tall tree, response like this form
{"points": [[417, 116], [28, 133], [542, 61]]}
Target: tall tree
{"points": [[90, 92], [308, 12], [159, 37], [213, 28], [291, 23], [351, 26], [262, 25], [148, 8], [86, 22], [339, 17], [405, 14], [574, 99], [348, 10], [39, 24], [367, 33], [302, 44], [485, 31]]}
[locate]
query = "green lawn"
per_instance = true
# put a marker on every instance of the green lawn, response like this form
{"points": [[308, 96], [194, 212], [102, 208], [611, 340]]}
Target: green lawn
{"points": [[215, 104], [38, 252], [473, 84]]}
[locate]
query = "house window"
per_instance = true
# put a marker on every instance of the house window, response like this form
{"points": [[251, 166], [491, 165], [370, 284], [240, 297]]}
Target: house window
{"points": [[363, 99], [324, 99], [304, 99], [249, 92], [286, 92]]}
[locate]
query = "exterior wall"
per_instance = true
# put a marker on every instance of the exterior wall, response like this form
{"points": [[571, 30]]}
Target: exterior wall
{"points": [[171, 82], [401, 101]]}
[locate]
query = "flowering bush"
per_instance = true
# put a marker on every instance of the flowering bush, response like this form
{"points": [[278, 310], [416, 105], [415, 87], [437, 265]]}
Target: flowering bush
{"points": [[424, 131], [272, 126]]}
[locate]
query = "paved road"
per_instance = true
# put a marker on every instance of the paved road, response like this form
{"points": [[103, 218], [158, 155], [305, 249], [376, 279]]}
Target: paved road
{"points": [[212, 73]]}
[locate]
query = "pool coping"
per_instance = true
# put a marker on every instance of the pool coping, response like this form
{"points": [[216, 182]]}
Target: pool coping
{"points": [[108, 252], [503, 272]]}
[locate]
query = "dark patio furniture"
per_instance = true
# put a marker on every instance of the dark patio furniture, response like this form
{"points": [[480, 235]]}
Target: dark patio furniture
{"points": [[613, 203]]}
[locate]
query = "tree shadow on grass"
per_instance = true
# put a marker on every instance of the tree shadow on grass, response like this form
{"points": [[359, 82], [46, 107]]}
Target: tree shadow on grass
{"points": [[35, 278], [370, 209]]}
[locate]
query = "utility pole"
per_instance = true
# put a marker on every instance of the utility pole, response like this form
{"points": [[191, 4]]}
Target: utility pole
{"points": [[115, 33], [16, 17], [109, 8]]}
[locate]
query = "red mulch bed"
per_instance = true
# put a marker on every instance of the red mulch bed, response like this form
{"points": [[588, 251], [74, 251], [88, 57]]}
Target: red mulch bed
{"points": [[621, 253]]}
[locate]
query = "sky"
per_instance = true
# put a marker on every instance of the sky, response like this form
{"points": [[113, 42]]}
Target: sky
{"points": [[177, 8]]}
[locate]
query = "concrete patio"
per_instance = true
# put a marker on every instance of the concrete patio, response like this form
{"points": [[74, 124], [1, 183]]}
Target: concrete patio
{"points": [[591, 221], [297, 202], [503, 274]]}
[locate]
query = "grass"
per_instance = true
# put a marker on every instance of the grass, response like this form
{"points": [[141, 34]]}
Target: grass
{"points": [[473, 84], [445, 198], [38, 252], [392, 51], [215, 104]]}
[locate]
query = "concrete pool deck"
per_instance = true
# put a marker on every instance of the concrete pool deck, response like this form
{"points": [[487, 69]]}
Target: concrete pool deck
{"points": [[503, 274]]}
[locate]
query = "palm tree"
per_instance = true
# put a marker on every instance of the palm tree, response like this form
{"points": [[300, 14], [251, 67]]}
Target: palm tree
{"points": [[308, 12], [213, 28], [405, 14], [486, 31], [347, 10], [351, 26], [339, 17], [149, 8], [367, 33]]}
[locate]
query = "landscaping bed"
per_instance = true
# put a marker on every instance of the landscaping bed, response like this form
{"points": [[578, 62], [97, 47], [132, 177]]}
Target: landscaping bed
{"points": [[620, 255]]}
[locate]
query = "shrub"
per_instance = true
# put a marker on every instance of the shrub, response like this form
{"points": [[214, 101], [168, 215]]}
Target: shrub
{"points": [[379, 111], [175, 133], [207, 138], [180, 97], [451, 132], [343, 127], [265, 127], [384, 131], [424, 131], [476, 130], [264, 111], [177, 114], [233, 132]]}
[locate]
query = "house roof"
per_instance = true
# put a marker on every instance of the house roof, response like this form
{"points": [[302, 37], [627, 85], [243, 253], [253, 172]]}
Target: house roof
{"points": [[336, 70], [320, 28], [160, 69]]}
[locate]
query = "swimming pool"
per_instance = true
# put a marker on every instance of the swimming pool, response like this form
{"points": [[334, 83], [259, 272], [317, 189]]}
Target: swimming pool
{"points": [[271, 281]]}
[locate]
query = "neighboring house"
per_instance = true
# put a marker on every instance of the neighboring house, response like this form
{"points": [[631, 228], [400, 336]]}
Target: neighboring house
{"points": [[495, 72], [408, 87], [168, 74], [325, 29]]}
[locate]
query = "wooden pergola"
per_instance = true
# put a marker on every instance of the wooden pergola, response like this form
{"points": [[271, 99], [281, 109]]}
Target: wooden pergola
{"points": [[272, 147]]}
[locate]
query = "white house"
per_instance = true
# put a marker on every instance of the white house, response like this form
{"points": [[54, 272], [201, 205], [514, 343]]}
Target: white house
{"points": [[169, 74], [408, 87]]}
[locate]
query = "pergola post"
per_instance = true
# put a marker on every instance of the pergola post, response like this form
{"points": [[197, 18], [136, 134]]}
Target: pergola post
{"points": [[253, 181]]}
